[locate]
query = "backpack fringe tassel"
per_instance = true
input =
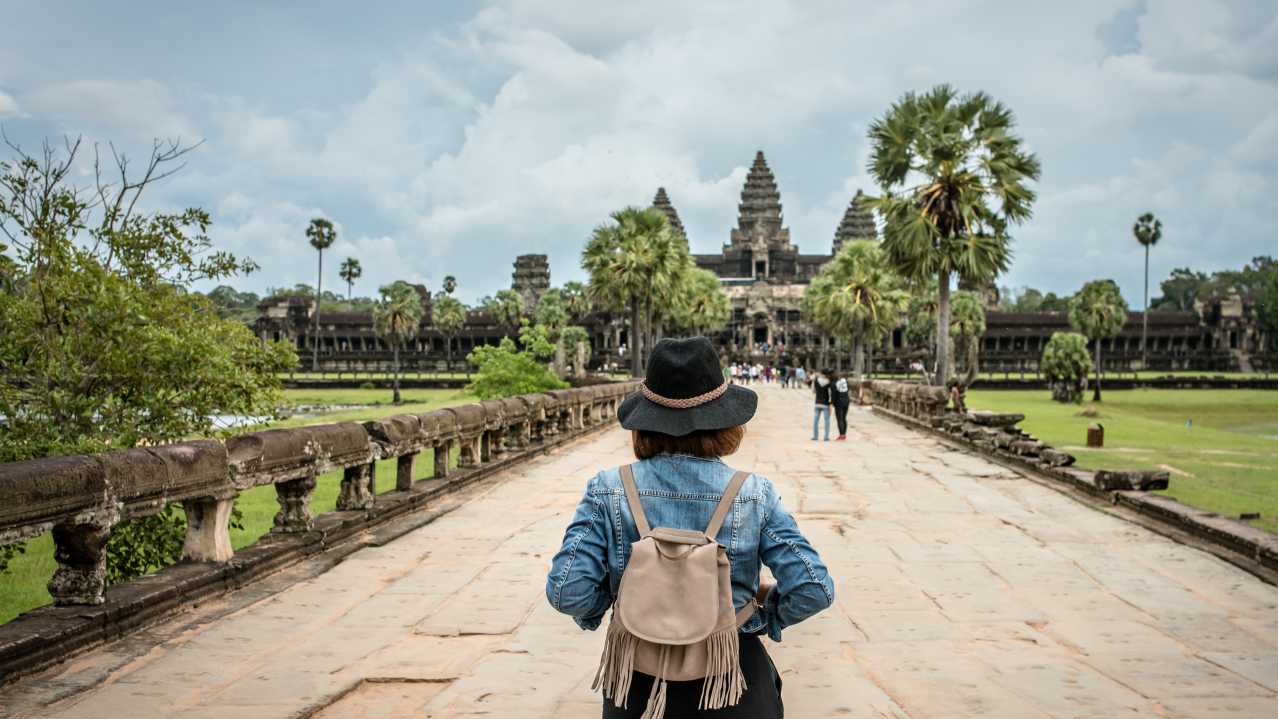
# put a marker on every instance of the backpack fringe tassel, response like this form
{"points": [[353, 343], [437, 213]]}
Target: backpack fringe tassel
{"points": [[617, 665], [724, 682]]}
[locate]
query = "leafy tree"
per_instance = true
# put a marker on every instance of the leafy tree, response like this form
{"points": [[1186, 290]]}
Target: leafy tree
{"points": [[232, 304], [967, 326], [349, 272], [1148, 231], [552, 315], [856, 297], [1267, 311], [398, 319], [505, 370], [449, 315], [635, 263], [972, 183], [1181, 289], [1097, 312], [450, 284], [1052, 303], [101, 346], [1065, 364], [321, 235], [506, 309]]}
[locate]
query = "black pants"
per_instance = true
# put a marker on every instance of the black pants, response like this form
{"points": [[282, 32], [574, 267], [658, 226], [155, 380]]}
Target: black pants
{"points": [[762, 698], [841, 414]]}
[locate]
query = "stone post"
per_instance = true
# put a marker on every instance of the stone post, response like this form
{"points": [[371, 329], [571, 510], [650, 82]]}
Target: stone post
{"points": [[80, 550], [404, 472], [208, 532], [294, 497], [442, 452], [357, 487], [471, 451]]}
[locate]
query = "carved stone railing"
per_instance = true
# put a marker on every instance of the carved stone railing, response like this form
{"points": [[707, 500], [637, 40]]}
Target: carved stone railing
{"points": [[996, 435], [79, 499]]}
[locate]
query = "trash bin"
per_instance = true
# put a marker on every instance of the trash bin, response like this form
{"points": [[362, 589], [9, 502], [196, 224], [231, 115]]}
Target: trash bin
{"points": [[1096, 435]]}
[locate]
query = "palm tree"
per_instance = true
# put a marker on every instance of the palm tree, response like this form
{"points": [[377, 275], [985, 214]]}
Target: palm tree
{"points": [[701, 306], [967, 326], [350, 272], [856, 297], [506, 309], [972, 177], [449, 315], [322, 236], [552, 315], [634, 263], [575, 300], [450, 284], [1148, 230], [1096, 312], [397, 319]]}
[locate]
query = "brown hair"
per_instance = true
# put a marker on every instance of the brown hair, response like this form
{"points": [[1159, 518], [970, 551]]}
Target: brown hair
{"points": [[702, 443]]}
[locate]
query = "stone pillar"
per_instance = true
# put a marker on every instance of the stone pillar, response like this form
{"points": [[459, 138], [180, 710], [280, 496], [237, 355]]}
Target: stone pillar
{"points": [[404, 472], [80, 550], [208, 532], [357, 487], [471, 451], [294, 497], [442, 452]]}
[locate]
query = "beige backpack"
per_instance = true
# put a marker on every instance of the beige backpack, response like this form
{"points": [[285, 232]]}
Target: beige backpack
{"points": [[673, 617]]}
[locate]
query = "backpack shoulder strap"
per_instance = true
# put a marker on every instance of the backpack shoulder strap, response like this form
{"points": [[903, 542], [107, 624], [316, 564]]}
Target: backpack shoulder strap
{"points": [[729, 495], [632, 497]]}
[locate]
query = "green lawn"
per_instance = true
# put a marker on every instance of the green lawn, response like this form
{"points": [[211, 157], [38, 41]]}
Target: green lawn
{"points": [[1221, 446], [23, 587]]}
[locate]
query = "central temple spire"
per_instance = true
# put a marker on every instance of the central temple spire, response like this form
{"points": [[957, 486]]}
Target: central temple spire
{"points": [[759, 214], [760, 201]]}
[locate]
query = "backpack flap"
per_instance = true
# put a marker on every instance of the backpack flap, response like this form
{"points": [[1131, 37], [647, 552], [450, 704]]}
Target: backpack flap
{"points": [[669, 593]]}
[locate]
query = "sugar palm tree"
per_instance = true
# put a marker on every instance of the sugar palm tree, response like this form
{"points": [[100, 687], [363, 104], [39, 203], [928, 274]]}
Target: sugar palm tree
{"points": [[397, 319], [953, 178], [857, 298], [967, 326], [322, 236], [1148, 231], [634, 262], [701, 307], [1097, 312], [506, 309], [350, 271], [448, 315], [576, 300]]}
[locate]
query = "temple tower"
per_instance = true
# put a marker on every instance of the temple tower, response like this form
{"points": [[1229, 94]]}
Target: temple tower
{"points": [[759, 214], [531, 278], [857, 224], [662, 202]]}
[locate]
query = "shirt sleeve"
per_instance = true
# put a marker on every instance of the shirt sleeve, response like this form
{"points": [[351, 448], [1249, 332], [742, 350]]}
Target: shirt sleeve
{"points": [[803, 585], [578, 581]]}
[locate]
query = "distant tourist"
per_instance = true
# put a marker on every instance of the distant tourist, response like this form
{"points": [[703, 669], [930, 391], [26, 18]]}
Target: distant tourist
{"points": [[801, 376], [632, 516], [841, 399], [821, 390]]}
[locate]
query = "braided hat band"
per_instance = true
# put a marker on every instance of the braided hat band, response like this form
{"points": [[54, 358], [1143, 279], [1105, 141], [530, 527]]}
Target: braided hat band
{"points": [[688, 403]]}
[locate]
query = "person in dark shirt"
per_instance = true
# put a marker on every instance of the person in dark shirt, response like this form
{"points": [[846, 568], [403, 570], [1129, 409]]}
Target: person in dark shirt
{"points": [[841, 400]]}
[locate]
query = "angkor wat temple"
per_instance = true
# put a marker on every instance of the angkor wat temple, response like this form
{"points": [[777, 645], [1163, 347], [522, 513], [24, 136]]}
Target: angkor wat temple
{"points": [[765, 275]]}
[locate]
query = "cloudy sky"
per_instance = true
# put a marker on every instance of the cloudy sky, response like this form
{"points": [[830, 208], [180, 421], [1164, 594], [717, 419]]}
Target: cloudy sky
{"points": [[448, 137]]}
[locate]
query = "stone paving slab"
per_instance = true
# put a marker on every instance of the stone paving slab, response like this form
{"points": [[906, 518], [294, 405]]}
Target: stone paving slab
{"points": [[964, 590]]}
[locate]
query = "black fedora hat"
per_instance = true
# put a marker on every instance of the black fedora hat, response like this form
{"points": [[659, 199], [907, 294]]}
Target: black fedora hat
{"points": [[685, 391]]}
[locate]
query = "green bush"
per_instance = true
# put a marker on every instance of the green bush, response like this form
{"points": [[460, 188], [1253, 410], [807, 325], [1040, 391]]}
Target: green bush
{"points": [[367, 385], [1065, 364], [506, 371]]}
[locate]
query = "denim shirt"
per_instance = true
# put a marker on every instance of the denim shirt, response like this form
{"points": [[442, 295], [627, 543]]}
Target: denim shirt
{"points": [[681, 492]]}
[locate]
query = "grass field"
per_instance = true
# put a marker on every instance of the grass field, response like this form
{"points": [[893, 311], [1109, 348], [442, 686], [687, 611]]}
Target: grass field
{"points": [[1220, 446], [23, 587]]}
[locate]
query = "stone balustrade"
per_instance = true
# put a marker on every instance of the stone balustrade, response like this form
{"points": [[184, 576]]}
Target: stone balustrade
{"points": [[80, 498]]}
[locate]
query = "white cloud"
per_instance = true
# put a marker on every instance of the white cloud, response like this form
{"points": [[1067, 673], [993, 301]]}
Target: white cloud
{"points": [[8, 105], [522, 127]]}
